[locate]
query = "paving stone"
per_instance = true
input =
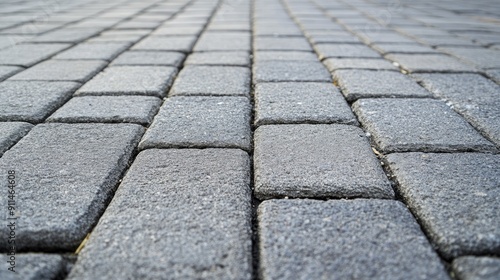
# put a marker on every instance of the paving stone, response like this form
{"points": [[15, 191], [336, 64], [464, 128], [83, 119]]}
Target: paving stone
{"points": [[325, 160], [345, 50], [75, 168], [284, 56], [221, 122], [237, 58], [386, 48], [494, 74], [223, 41], [131, 80], [427, 125], [67, 35], [383, 37], [281, 44], [11, 132], [184, 30], [342, 37], [62, 70], [212, 80], [29, 54], [202, 195], [429, 63], [113, 109], [455, 197], [343, 239], [35, 266], [480, 57], [286, 103], [451, 40], [358, 63], [174, 43], [290, 71], [475, 97], [476, 268], [7, 71], [357, 84], [266, 29], [103, 51], [159, 58], [32, 101]]}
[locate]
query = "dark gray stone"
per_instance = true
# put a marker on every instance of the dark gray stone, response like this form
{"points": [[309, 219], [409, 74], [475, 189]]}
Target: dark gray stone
{"points": [[476, 268], [212, 80], [429, 63], [223, 41], [159, 58], [35, 266], [102, 51], [357, 84], [358, 63], [74, 168], [7, 71], [325, 160], [423, 125], [62, 70], [131, 80], [160, 43], [200, 122], [284, 56], [282, 103], [32, 101], [180, 214], [343, 239], [237, 58], [480, 57], [290, 71], [11, 132], [455, 197], [29, 54], [281, 44], [108, 109], [386, 48], [345, 50]]}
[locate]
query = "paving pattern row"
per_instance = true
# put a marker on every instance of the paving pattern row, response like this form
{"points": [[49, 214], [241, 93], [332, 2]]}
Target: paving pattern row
{"points": [[251, 139]]}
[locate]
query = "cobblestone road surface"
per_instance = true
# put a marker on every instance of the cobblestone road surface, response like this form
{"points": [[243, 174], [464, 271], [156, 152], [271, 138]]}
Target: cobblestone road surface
{"points": [[250, 139]]}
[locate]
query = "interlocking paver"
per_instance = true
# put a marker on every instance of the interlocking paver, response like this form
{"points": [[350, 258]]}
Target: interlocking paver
{"points": [[67, 35], [401, 125], [223, 41], [236, 58], [32, 101], [454, 196], [181, 30], [430, 63], [159, 58], [316, 161], [34, 266], [205, 121], [386, 48], [204, 198], [75, 168], [345, 50], [95, 51], [131, 80], [164, 43], [62, 70], [285, 56], [11, 132], [281, 44], [286, 103], [482, 58], [358, 63], [212, 80], [476, 268], [290, 71], [494, 74], [29, 54], [343, 239], [7, 71]]}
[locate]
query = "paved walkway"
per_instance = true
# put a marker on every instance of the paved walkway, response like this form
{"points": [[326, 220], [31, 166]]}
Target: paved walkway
{"points": [[250, 139]]}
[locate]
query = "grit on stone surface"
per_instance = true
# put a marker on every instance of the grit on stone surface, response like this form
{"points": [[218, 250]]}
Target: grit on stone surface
{"points": [[11, 132], [108, 109], [429, 63], [75, 168], [29, 54], [35, 266], [476, 268], [206, 122], [212, 80], [96, 51], [290, 71], [417, 125], [324, 160], [343, 239], [455, 197], [286, 103], [131, 80], [158, 58], [193, 220], [62, 70], [32, 101]]}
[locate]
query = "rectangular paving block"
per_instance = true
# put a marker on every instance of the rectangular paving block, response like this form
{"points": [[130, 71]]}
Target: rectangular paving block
{"points": [[281, 44], [429, 63], [32, 266], [33, 101], [229, 58], [11, 132], [455, 197], [343, 239], [62, 70], [345, 50], [476, 268], [8, 71], [159, 58], [108, 109], [358, 63], [494, 74], [417, 125], [357, 84], [223, 41], [287, 103], [181, 30], [27, 55], [75, 168], [324, 160], [102, 51], [201, 122], [386, 48], [131, 80], [284, 55], [67, 35], [290, 71], [186, 213], [163, 43], [212, 80], [480, 57]]}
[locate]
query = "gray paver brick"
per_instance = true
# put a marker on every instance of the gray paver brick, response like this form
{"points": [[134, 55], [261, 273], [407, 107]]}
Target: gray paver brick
{"points": [[204, 198], [75, 168], [476, 268], [223, 41], [281, 44], [483, 58], [7, 71], [386, 48], [131, 80], [205, 122], [426, 125], [134, 109], [35, 266], [325, 160], [212, 80], [161, 43], [358, 63], [277, 103], [494, 74], [284, 55], [66, 35], [103, 51], [181, 30], [236, 58], [11, 132], [343, 239], [290, 71], [32, 101], [357, 84], [345, 50], [159, 58], [29, 54], [429, 63], [455, 197], [62, 70]]}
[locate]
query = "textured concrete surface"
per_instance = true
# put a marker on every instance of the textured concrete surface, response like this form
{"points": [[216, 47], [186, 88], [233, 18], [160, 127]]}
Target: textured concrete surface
{"points": [[476, 268], [11, 132], [31, 266]]}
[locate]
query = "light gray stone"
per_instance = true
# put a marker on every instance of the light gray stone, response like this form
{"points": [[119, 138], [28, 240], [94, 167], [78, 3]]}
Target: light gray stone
{"points": [[67, 35], [163, 43], [476, 268], [345, 50], [281, 44], [95, 51], [35, 266], [386, 48], [11, 132], [290, 71], [27, 55], [358, 63], [494, 74], [158, 58], [285, 56], [237, 58], [62, 70], [223, 41], [429, 63], [480, 57], [7, 71]]}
